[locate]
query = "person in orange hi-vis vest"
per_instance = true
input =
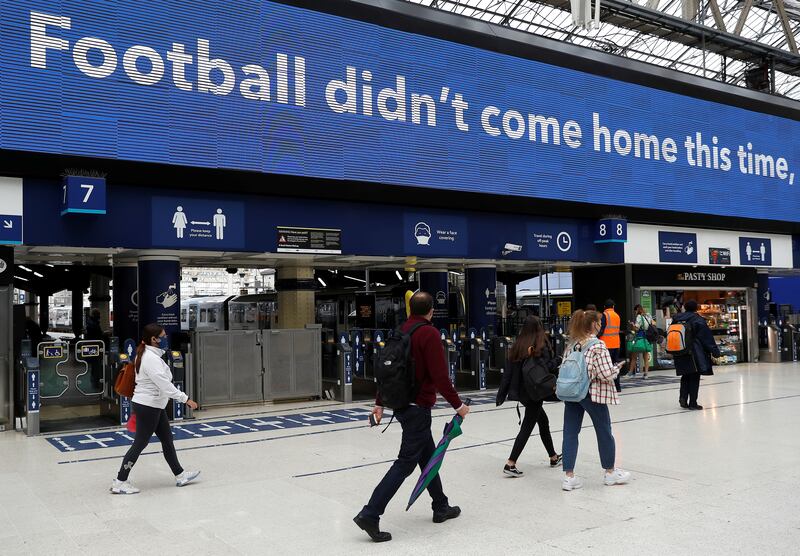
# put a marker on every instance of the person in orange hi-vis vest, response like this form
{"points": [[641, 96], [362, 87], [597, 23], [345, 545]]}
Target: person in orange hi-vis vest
{"points": [[609, 334]]}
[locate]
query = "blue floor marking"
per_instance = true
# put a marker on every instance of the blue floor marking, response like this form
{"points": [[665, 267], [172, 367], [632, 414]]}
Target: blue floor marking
{"points": [[188, 430]]}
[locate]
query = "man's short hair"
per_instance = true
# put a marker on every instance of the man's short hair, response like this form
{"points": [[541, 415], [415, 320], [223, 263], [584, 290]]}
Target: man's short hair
{"points": [[690, 306], [421, 303], [610, 303]]}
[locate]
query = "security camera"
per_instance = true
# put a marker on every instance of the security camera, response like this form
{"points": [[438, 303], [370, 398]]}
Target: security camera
{"points": [[509, 248]]}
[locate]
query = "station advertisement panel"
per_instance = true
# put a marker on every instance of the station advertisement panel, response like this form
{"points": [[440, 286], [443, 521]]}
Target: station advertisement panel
{"points": [[267, 87]]}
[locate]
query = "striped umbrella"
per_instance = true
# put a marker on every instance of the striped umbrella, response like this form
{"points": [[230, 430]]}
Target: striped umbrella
{"points": [[451, 431]]}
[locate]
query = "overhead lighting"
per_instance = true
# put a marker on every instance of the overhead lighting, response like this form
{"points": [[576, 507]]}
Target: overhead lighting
{"points": [[399, 276], [37, 274], [21, 278], [379, 284], [355, 279], [50, 265], [25, 268], [321, 281], [454, 273]]}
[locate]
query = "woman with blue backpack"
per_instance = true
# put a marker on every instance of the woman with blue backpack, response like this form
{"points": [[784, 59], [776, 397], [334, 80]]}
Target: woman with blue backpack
{"points": [[531, 380], [586, 385]]}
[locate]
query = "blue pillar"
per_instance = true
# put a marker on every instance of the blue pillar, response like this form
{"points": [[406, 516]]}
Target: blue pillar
{"points": [[126, 310], [435, 283], [481, 297], [159, 298]]}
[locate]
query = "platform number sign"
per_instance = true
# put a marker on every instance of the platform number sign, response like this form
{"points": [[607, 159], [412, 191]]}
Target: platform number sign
{"points": [[611, 230], [81, 195]]}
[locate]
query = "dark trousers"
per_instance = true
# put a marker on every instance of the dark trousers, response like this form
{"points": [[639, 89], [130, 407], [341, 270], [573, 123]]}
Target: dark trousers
{"points": [[690, 386], [150, 420], [614, 353], [534, 413], [416, 448]]}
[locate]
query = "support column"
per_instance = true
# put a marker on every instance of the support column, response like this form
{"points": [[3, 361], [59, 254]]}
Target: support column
{"points": [[159, 279], [44, 313], [481, 297], [435, 283], [295, 286], [126, 308], [77, 312], [100, 299]]}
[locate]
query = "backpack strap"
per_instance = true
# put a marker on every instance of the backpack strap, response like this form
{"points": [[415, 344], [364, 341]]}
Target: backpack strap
{"points": [[416, 327]]}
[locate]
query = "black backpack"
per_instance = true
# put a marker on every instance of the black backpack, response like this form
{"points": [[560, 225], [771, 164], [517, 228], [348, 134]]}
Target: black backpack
{"points": [[395, 372], [537, 380]]}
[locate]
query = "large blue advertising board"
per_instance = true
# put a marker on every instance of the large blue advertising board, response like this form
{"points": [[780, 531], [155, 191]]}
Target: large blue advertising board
{"points": [[279, 89]]}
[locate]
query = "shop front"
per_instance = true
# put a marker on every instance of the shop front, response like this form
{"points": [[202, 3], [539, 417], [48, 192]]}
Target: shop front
{"points": [[726, 298]]}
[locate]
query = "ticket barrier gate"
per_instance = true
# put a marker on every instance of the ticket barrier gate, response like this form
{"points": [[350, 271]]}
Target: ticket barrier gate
{"points": [[558, 340], [177, 364], [770, 343], [450, 354], [478, 355], [340, 386], [63, 374], [499, 348], [374, 353], [789, 333]]}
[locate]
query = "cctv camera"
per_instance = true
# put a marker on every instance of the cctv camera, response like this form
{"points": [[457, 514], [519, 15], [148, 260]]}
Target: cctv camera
{"points": [[512, 247]]}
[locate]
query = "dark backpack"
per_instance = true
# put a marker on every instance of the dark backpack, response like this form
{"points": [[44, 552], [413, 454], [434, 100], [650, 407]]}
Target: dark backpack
{"points": [[537, 380], [395, 372]]}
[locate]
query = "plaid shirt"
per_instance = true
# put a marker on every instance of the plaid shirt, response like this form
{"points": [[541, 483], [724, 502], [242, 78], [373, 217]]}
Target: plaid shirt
{"points": [[602, 374]]}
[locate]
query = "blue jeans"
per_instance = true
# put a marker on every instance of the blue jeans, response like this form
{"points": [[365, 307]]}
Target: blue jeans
{"points": [[601, 419], [416, 449]]}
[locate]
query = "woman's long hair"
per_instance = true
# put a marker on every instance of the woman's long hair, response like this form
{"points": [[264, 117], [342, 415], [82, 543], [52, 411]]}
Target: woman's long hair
{"points": [[149, 332], [533, 337]]}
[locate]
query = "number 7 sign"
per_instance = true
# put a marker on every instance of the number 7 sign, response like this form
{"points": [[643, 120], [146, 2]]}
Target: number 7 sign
{"points": [[81, 195]]}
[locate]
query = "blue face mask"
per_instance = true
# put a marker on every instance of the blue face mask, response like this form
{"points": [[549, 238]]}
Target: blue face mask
{"points": [[163, 342]]}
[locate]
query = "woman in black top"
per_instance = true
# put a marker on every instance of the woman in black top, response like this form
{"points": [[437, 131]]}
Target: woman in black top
{"points": [[531, 342]]}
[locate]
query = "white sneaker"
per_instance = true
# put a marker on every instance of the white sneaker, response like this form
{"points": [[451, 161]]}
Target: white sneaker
{"points": [[571, 483], [122, 487], [185, 478], [617, 477]]}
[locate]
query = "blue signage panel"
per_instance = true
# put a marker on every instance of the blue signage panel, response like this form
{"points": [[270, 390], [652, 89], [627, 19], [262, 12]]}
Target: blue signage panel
{"points": [[124, 410], [34, 401], [83, 195], [435, 235], [677, 247], [481, 298], [10, 229], [158, 82], [198, 223], [611, 230], [159, 294], [553, 241], [755, 251]]}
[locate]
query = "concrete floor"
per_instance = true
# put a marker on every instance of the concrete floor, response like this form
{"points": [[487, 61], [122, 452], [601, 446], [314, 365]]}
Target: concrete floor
{"points": [[721, 481]]}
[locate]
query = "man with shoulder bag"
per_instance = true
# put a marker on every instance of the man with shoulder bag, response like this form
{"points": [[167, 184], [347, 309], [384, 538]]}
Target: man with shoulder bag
{"points": [[411, 370]]}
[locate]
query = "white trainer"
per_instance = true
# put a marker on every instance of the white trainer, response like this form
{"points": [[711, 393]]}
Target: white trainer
{"points": [[571, 483], [122, 487], [185, 478], [617, 477]]}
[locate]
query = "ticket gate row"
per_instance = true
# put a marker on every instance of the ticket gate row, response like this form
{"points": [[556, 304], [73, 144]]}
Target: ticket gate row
{"points": [[349, 361], [71, 385]]}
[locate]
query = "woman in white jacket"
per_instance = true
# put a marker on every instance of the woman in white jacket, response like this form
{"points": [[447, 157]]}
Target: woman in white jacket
{"points": [[153, 390]]}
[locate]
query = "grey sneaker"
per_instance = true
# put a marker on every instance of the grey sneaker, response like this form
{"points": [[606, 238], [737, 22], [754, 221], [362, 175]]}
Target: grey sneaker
{"points": [[122, 487], [185, 478]]}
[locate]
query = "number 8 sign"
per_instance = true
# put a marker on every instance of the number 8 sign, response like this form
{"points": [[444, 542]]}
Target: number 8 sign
{"points": [[611, 230], [80, 195]]}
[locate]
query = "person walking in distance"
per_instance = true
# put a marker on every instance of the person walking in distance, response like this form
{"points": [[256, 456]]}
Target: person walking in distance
{"points": [[641, 322], [153, 390], [417, 445], [583, 328], [609, 334], [698, 361], [532, 343]]}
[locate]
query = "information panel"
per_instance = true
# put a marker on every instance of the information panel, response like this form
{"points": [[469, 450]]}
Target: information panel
{"points": [[309, 240], [275, 88]]}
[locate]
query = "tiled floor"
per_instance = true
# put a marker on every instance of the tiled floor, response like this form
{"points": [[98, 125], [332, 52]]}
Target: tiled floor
{"points": [[720, 481]]}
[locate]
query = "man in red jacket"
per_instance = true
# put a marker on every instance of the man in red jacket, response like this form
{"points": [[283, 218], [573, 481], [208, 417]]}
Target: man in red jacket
{"points": [[417, 444]]}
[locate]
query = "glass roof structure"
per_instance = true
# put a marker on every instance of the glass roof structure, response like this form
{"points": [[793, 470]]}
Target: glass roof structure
{"points": [[716, 39]]}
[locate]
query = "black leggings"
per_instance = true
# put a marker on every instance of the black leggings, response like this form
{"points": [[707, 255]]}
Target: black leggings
{"points": [[534, 413], [150, 420]]}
